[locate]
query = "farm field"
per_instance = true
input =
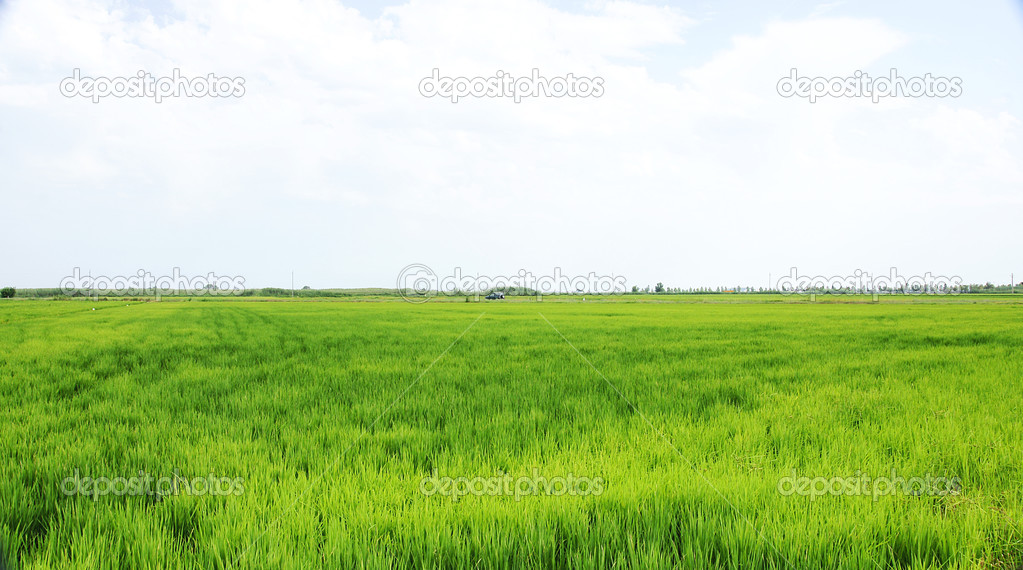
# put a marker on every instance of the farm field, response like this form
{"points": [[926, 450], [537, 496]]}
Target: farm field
{"points": [[354, 434]]}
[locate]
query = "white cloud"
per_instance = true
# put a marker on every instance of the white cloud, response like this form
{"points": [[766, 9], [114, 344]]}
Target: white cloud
{"points": [[332, 143]]}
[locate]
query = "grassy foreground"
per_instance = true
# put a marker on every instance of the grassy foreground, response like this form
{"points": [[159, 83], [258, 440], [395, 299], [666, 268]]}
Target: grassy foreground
{"points": [[341, 420]]}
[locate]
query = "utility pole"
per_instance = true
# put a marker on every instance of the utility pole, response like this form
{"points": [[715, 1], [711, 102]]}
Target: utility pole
{"points": [[292, 283]]}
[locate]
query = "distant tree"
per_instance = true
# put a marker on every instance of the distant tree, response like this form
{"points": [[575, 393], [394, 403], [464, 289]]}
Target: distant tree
{"points": [[659, 288], [635, 288], [306, 288], [7, 293]]}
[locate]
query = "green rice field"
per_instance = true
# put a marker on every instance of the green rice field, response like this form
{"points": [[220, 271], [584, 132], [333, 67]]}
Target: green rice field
{"points": [[630, 432]]}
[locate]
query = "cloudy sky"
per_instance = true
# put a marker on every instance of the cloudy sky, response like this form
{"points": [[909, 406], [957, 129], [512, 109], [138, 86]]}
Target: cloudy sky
{"points": [[689, 168]]}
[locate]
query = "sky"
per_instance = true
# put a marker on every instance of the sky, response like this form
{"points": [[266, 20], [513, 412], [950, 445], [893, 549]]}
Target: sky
{"points": [[689, 168]]}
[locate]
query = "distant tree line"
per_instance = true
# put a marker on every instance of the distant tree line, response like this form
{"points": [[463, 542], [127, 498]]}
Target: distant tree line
{"points": [[658, 289]]}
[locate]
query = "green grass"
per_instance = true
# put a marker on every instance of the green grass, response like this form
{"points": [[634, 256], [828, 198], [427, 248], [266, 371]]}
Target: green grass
{"points": [[693, 410]]}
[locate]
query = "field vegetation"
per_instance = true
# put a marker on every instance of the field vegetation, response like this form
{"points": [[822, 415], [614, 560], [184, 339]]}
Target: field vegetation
{"points": [[336, 416]]}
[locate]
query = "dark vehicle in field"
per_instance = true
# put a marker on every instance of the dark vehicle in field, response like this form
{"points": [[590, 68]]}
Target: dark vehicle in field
{"points": [[495, 295]]}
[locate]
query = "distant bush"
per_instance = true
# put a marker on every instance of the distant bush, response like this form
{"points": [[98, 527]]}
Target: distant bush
{"points": [[7, 293]]}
